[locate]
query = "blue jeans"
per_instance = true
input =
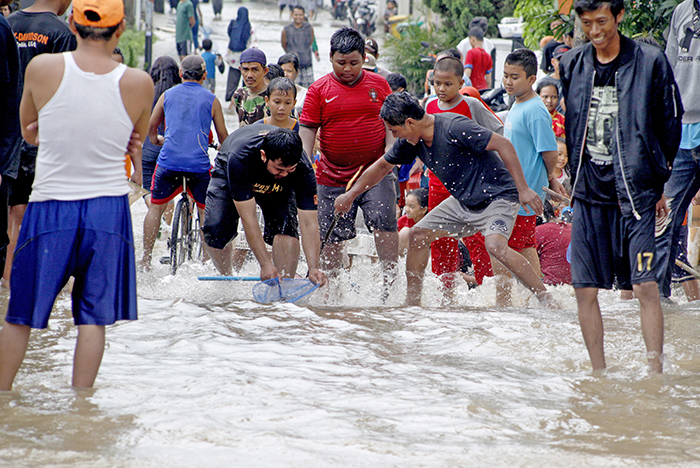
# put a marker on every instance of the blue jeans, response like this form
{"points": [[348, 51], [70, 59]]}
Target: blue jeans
{"points": [[680, 188]]}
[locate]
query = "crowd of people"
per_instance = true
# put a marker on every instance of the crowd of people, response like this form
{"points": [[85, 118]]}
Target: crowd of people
{"points": [[312, 152]]}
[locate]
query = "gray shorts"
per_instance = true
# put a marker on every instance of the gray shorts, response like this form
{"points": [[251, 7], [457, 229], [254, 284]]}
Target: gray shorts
{"points": [[378, 207], [451, 216]]}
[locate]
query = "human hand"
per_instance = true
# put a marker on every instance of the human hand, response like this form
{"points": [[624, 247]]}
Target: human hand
{"points": [[318, 277], [343, 203], [133, 148], [529, 197], [268, 271], [662, 210], [556, 186]]}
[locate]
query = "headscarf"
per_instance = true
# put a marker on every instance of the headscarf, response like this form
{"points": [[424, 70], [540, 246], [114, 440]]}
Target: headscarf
{"points": [[239, 31]]}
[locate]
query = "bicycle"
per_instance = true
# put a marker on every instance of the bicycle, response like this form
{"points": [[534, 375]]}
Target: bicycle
{"points": [[185, 240]]}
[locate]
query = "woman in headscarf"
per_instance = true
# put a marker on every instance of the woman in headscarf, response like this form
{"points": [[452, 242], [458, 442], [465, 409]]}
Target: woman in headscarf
{"points": [[240, 34]]}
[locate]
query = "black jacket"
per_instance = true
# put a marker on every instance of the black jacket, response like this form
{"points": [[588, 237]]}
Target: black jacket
{"points": [[648, 120]]}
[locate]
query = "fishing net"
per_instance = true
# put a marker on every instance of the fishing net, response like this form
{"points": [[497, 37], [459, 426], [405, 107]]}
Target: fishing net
{"points": [[287, 290]]}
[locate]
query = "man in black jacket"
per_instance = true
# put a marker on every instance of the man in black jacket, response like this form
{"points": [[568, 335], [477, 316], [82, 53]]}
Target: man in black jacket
{"points": [[623, 126]]}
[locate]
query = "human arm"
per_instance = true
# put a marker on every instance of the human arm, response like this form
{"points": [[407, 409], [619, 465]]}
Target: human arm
{"points": [[371, 177], [311, 243], [137, 90], [284, 39], [468, 71], [314, 46], [217, 114], [157, 116], [254, 237], [504, 148], [308, 139]]}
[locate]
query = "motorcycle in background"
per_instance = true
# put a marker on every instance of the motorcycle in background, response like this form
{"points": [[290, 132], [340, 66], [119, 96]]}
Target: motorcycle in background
{"points": [[364, 16]]}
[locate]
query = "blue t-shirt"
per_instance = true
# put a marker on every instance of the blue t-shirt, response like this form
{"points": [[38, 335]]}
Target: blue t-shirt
{"points": [[529, 128], [690, 136], [187, 126], [210, 60]]}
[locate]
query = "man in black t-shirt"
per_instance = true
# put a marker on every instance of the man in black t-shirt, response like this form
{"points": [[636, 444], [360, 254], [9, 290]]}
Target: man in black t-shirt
{"points": [[38, 30], [486, 190], [264, 165], [10, 135], [623, 125]]}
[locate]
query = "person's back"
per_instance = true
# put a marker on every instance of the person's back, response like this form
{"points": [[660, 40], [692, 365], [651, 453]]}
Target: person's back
{"points": [[553, 240], [478, 64], [188, 117]]}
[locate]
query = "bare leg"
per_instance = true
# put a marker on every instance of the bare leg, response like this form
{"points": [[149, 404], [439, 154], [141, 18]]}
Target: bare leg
{"points": [[591, 324], [691, 288], [417, 260], [652, 322], [387, 244], [530, 254], [332, 257], [503, 283], [285, 255], [221, 258], [497, 245], [14, 222], [13, 346], [89, 349], [151, 224]]}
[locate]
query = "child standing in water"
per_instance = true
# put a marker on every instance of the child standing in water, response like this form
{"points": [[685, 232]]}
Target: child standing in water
{"points": [[416, 208], [280, 100]]}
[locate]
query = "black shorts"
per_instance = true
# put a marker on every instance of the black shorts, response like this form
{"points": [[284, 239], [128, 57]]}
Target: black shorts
{"points": [[21, 187], [607, 245], [221, 217]]}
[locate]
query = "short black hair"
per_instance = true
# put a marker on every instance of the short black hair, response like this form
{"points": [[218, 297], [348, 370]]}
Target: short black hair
{"points": [[274, 71], [96, 34], [477, 33], [207, 44], [282, 84], [398, 107], [582, 6], [299, 7], [118, 51], [450, 64], [524, 58], [544, 82], [421, 195], [346, 41], [396, 81], [453, 52], [283, 145], [289, 58]]}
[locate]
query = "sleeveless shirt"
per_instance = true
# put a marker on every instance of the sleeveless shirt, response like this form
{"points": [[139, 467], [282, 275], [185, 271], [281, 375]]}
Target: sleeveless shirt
{"points": [[84, 130]]}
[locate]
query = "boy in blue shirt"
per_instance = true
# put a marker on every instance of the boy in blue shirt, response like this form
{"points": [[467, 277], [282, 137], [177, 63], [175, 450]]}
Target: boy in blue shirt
{"points": [[529, 127], [213, 61]]}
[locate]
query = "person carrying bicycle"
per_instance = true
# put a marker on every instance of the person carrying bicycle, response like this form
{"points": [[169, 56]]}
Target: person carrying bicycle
{"points": [[188, 110], [264, 165]]}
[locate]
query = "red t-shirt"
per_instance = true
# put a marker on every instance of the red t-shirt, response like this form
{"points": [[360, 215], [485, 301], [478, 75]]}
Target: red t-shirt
{"points": [[558, 124], [405, 221], [480, 62], [552, 241], [351, 134]]}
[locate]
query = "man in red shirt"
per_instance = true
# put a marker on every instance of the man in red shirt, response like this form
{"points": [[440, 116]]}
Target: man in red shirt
{"points": [[478, 64], [345, 106]]}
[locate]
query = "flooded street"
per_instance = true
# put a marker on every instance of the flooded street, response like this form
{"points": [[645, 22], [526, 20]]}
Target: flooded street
{"points": [[208, 378]]}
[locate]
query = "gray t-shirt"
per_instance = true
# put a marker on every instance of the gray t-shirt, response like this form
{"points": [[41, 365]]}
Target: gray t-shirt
{"points": [[458, 157]]}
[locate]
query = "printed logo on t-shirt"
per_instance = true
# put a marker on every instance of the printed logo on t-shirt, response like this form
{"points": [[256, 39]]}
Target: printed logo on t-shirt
{"points": [[267, 188], [373, 95], [329, 100], [498, 225], [602, 118]]}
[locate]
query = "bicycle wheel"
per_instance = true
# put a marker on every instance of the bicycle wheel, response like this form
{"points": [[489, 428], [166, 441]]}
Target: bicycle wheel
{"points": [[179, 239], [196, 247]]}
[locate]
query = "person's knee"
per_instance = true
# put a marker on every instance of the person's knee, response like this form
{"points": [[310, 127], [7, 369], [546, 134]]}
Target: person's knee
{"points": [[419, 238], [496, 245], [648, 290]]}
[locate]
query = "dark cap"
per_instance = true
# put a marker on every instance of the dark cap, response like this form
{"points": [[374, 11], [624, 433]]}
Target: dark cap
{"points": [[193, 67], [560, 50], [253, 55]]}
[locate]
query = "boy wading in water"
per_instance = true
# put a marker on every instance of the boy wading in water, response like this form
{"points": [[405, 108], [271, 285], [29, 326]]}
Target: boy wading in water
{"points": [[78, 221], [486, 191]]}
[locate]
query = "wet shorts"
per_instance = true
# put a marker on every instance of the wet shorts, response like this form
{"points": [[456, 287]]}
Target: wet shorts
{"points": [[21, 187], [378, 206], [183, 48], [451, 216], [167, 185], [90, 240], [523, 235], [605, 244], [221, 217]]}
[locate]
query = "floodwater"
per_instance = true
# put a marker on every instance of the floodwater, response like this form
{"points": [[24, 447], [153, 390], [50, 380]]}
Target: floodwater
{"points": [[208, 378]]}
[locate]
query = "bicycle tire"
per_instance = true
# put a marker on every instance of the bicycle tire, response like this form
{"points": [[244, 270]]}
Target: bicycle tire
{"points": [[196, 247], [179, 239]]}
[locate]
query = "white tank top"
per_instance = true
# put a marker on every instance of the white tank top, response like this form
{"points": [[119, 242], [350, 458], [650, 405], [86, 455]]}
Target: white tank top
{"points": [[84, 130]]}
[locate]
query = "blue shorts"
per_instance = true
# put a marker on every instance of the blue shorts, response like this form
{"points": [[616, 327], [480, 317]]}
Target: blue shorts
{"points": [[607, 245], [167, 185], [378, 206], [90, 240]]}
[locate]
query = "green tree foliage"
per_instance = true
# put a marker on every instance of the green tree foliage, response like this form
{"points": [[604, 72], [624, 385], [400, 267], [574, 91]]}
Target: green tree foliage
{"points": [[456, 14], [133, 44]]}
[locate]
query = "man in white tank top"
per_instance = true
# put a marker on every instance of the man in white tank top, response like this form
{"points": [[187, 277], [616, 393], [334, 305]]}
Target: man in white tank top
{"points": [[82, 109]]}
